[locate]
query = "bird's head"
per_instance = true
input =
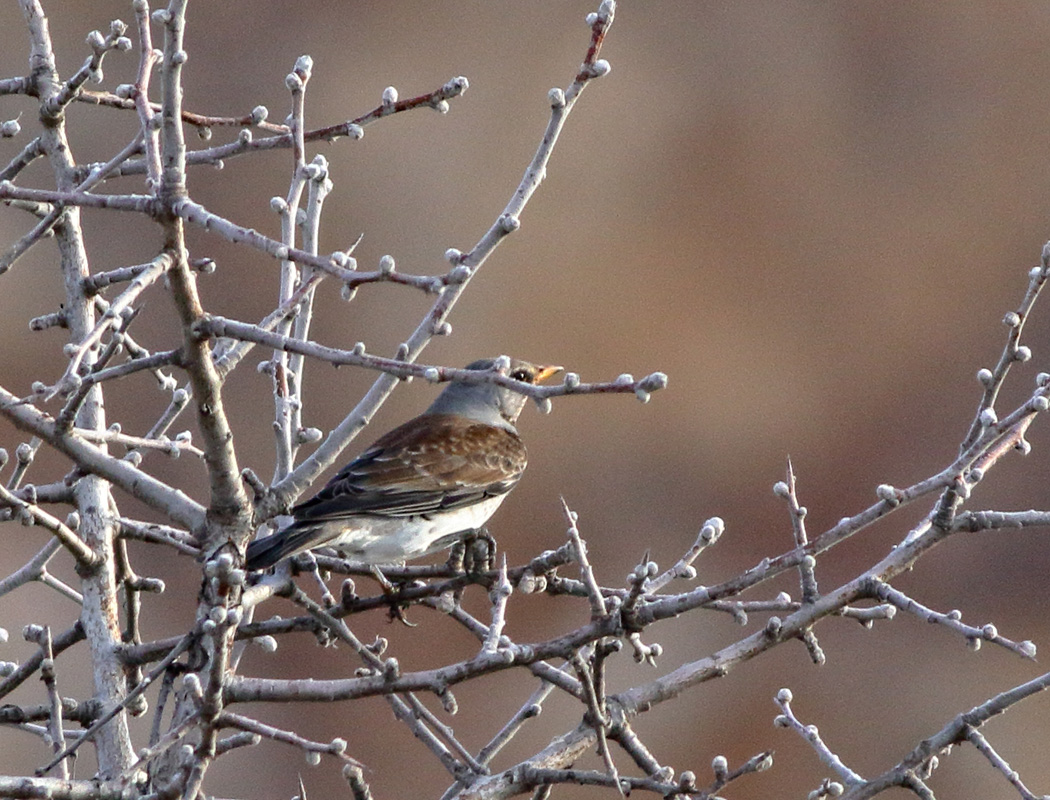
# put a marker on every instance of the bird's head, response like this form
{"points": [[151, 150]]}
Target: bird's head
{"points": [[487, 402]]}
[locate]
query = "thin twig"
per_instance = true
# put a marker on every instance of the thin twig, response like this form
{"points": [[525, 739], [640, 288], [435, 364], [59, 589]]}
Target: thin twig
{"points": [[146, 682], [85, 557], [47, 675], [246, 144], [594, 592]]}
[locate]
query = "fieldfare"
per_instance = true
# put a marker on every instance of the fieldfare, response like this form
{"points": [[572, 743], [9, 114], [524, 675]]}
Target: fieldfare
{"points": [[421, 487]]}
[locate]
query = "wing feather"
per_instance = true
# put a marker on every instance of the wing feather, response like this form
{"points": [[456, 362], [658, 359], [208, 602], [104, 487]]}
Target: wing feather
{"points": [[431, 463]]}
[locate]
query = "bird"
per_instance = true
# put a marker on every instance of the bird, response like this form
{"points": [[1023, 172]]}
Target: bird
{"points": [[421, 487]]}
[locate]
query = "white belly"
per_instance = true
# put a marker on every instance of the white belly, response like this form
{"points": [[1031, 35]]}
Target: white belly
{"points": [[390, 540]]}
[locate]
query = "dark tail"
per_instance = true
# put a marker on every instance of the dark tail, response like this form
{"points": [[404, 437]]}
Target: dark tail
{"points": [[264, 553]]}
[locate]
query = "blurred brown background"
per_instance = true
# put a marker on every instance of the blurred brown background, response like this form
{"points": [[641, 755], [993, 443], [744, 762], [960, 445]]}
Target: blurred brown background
{"points": [[812, 216]]}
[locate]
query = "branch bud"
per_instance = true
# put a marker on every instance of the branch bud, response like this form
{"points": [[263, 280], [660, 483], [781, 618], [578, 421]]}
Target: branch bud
{"points": [[267, 643], [33, 633], [448, 702], [888, 494], [720, 766], [341, 259], [304, 66], [460, 274], [600, 68], [24, 453], [654, 382], [456, 86], [309, 435]]}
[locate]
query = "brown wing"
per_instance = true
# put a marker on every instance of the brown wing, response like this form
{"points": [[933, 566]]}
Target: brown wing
{"points": [[431, 463]]}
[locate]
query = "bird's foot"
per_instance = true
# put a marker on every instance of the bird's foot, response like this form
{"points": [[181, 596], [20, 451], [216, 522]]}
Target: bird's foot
{"points": [[472, 554], [456, 556], [397, 605], [479, 552]]}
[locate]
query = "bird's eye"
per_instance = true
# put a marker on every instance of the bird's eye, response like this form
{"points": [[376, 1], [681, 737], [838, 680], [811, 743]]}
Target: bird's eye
{"points": [[521, 375]]}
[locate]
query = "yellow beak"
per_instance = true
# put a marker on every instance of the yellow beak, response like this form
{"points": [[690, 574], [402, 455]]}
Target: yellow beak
{"points": [[542, 373]]}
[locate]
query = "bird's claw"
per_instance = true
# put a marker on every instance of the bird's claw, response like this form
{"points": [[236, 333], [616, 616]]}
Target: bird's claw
{"points": [[397, 606], [479, 552]]}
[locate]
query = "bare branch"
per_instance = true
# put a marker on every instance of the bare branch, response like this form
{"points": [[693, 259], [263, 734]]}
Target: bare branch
{"points": [[131, 696], [957, 730], [787, 719], [32, 151], [951, 620], [85, 557], [174, 503], [437, 99]]}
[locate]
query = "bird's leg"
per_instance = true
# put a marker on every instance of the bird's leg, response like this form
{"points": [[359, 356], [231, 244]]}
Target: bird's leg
{"points": [[480, 552], [456, 557], [462, 557], [473, 551], [393, 596]]}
